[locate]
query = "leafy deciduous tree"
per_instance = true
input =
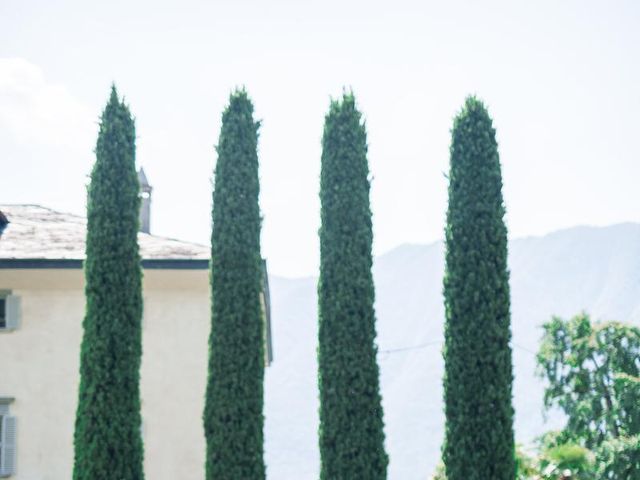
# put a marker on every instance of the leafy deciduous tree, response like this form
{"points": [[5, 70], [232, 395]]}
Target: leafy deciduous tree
{"points": [[593, 374]]}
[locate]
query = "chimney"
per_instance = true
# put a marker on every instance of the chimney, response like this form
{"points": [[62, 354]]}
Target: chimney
{"points": [[145, 202]]}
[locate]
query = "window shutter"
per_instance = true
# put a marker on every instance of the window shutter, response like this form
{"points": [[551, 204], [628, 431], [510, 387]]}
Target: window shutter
{"points": [[8, 451], [12, 312]]}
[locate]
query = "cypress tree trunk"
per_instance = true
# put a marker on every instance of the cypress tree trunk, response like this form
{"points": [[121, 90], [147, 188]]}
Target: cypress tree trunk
{"points": [[233, 418], [107, 440], [479, 441], [351, 424]]}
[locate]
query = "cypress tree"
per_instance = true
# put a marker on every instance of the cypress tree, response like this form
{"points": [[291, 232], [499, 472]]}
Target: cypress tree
{"points": [[351, 423], [479, 442], [233, 418], [107, 439]]}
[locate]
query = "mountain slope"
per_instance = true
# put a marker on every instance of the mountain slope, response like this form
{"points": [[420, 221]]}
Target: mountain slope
{"points": [[582, 268]]}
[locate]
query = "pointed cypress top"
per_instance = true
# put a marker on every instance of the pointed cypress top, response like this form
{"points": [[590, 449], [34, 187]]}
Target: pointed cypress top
{"points": [[239, 109], [239, 93], [346, 103], [473, 144], [239, 102], [473, 106], [113, 98], [473, 103], [116, 104]]}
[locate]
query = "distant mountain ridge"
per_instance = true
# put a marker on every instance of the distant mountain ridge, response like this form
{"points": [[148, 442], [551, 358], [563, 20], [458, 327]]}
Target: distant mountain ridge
{"points": [[595, 269]]}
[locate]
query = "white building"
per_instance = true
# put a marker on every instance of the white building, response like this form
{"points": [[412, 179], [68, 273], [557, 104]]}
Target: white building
{"points": [[41, 311]]}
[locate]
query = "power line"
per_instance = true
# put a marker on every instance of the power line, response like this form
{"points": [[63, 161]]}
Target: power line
{"points": [[414, 347], [436, 342], [524, 349]]}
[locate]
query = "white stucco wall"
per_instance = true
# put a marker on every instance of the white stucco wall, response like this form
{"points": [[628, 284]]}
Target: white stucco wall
{"points": [[39, 364]]}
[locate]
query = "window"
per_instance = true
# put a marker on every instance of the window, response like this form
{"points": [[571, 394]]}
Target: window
{"points": [[9, 311], [7, 439], [3, 315]]}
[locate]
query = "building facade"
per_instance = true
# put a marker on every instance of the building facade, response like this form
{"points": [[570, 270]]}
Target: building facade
{"points": [[41, 311]]}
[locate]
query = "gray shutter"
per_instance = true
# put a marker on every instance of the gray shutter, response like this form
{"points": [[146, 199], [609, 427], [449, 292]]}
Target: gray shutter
{"points": [[8, 446], [12, 312]]}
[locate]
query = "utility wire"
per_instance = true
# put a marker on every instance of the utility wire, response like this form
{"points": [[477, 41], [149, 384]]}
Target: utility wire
{"points": [[436, 342], [414, 347], [525, 349]]}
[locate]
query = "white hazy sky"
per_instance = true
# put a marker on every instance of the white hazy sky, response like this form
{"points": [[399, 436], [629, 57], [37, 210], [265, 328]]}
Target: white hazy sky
{"points": [[561, 80]]}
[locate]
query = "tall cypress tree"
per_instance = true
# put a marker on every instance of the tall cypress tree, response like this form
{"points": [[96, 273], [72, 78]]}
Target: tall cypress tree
{"points": [[107, 439], [478, 379], [351, 423], [233, 418]]}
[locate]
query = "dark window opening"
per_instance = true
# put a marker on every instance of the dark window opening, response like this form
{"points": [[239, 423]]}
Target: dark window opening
{"points": [[3, 312]]}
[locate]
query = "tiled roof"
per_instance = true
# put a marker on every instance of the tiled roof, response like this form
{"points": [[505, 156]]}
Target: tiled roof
{"points": [[36, 232]]}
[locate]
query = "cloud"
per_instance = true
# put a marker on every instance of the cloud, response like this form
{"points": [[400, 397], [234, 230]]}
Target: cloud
{"points": [[34, 110]]}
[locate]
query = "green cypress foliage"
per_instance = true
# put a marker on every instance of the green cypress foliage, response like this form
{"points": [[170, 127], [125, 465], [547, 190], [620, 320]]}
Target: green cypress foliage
{"points": [[479, 442], [351, 423], [233, 418], [107, 441]]}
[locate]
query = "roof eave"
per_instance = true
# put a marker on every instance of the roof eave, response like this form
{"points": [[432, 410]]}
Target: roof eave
{"points": [[72, 263]]}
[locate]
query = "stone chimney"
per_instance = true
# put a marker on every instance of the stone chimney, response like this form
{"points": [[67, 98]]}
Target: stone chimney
{"points": [[145, 202]]}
